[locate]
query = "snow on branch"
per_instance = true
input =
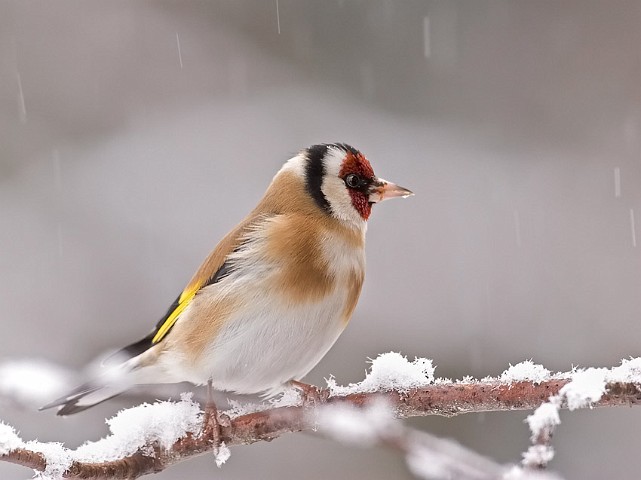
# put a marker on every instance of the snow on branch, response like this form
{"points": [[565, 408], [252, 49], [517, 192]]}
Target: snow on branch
{"points": [[587, 388], [149, 438]]}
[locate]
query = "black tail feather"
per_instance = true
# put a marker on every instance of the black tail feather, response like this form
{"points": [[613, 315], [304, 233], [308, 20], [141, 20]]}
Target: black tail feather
{"points": [[82, 398]]}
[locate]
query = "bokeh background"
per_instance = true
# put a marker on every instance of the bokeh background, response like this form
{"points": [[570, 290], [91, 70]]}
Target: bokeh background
{"points": [[133, 135]]}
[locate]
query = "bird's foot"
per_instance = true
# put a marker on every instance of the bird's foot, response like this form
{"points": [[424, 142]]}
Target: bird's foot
{"points": [[213, 422], [211, 426], [310, 394]]}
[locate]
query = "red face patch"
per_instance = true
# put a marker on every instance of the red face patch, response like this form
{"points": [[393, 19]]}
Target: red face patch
{"points": [[359, 165], [360, 201]]}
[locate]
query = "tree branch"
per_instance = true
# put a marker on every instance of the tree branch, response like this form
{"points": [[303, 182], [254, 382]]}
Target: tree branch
{"points": [[446, 399]]}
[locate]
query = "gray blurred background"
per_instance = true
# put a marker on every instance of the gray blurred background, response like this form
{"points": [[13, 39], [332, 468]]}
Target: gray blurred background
{"points": [[134, 135]]}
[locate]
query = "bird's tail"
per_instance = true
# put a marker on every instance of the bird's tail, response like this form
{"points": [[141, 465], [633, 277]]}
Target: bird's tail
{"points": [[110, 383], [85, 396]]}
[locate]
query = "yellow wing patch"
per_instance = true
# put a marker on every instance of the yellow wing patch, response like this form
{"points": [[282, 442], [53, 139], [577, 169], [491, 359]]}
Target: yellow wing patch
{"points": [[188, 294], [215, 267]]}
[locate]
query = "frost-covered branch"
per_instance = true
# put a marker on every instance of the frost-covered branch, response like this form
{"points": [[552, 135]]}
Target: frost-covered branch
{"points": [[149, 438], [586, 388]]}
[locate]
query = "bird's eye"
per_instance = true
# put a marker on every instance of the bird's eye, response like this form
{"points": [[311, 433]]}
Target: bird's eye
{"points": [[353, 181]]}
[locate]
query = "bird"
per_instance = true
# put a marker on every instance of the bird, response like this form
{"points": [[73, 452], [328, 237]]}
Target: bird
{"points": [[273, 296]]}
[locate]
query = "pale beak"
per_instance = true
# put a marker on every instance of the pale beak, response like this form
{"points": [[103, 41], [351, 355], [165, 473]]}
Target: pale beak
{"points": [[382, 190]]}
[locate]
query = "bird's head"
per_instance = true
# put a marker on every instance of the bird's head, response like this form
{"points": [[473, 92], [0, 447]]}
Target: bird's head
{"points": [[342, 182]]}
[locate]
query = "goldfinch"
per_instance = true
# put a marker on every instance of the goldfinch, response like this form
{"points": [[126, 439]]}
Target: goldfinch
{"points": [[273, 296]]}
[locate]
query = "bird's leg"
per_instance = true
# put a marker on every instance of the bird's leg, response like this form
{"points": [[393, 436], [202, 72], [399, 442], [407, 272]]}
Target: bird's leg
{"points": [[310, 394], [211, 425]]}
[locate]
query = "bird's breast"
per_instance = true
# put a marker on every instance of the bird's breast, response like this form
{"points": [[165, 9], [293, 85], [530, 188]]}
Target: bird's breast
{"points": [[312, 261]]}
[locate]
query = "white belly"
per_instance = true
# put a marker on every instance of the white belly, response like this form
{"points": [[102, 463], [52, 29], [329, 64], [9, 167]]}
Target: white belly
{"points": [[265, 346]]}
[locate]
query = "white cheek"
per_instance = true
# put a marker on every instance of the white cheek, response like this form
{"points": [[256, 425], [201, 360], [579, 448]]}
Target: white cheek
{"points": [[339, 199]]}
